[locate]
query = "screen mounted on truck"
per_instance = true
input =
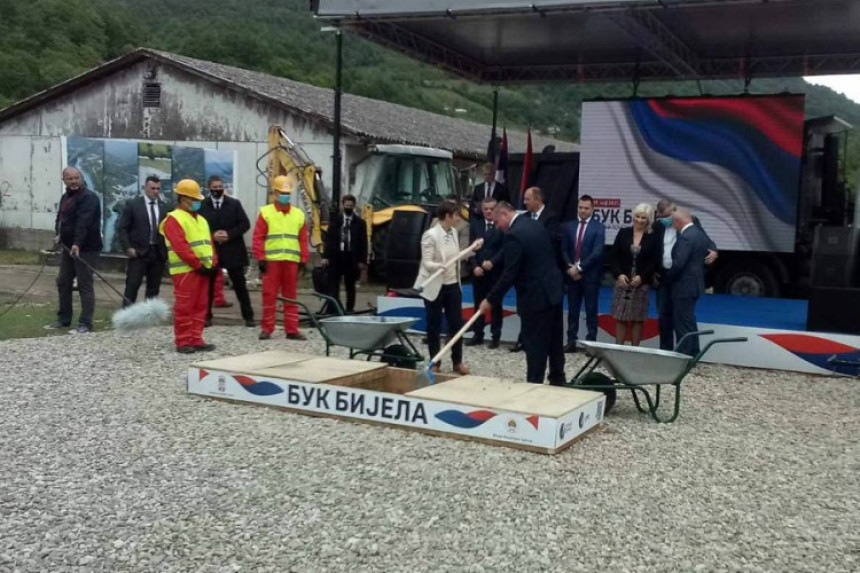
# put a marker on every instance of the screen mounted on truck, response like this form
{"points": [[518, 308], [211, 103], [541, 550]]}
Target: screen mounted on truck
{"points": [[733, 161]]}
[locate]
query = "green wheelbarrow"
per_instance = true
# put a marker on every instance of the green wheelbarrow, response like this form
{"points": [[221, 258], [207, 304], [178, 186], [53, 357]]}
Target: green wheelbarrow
{"points": [[636, 369]]}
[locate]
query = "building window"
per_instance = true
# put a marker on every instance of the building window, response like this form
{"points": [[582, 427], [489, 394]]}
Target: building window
{"points": [[151, 95]]}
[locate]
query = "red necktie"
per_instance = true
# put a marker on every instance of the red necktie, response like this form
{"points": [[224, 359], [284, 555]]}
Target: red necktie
{"points": [[579, 240]]}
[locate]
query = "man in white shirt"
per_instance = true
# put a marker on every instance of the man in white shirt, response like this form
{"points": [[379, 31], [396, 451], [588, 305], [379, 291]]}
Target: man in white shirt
{"points": [[489, 187]]}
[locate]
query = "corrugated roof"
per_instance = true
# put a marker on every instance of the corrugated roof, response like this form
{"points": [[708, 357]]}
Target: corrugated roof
{"points": [[369, 119]]}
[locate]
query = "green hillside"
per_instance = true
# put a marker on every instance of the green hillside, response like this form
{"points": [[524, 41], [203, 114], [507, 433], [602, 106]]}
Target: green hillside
{"points": [[46, 41]]}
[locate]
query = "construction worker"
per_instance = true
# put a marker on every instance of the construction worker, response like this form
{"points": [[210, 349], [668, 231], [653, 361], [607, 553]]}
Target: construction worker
{"points": [[280, 244], [192, 265]]}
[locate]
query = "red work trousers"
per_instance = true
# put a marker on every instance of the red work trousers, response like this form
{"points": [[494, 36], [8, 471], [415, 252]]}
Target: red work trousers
{"points": [[190, 304], [218, 296], [280, 276]]}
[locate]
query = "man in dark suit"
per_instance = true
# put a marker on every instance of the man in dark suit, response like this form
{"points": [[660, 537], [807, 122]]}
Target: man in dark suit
{"points": [[143, 244], [489, 188], [228, 224], [485, 268], [535, 203], [687, 277], [666, 237], [582, 251], [346, 250], [530, 267]]}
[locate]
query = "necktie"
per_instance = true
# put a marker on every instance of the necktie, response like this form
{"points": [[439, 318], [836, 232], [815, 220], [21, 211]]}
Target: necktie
{"points": [[218, 205], [489, 190], [579, 240], [489, 226], [534, 216], [153, 223], [347, 222]]}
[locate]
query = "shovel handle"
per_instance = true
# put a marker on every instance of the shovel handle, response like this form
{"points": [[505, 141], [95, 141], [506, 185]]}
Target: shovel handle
{"points": [[455, 338]]}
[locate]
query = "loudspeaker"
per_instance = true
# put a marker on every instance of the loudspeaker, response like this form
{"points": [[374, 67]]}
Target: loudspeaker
{"points": [[403, 247], [834, 254], [834, 310]]}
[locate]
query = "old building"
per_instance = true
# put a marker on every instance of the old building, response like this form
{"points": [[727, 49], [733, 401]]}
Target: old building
{"points": [[151, 97]]}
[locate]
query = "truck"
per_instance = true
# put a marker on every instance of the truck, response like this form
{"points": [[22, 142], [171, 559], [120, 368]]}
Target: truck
{"points": [[388, 179], [768, 186]]}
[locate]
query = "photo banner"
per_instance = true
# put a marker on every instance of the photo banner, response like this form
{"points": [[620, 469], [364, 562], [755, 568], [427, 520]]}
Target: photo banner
{"points": [[116, 169]]}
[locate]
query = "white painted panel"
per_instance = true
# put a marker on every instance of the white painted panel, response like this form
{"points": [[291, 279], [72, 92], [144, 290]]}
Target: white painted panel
{"points": [[15, 161]]}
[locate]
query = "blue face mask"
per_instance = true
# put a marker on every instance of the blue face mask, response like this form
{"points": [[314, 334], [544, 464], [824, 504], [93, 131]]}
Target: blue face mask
{"points": [[665, 221], [195, 206], [284, 199]]}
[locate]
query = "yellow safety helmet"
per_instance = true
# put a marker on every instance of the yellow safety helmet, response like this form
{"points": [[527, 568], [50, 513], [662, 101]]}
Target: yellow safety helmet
{"points": [[188, 188], [285, 183]]}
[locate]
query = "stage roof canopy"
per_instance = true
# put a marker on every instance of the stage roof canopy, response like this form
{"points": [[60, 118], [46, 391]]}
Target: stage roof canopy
{"points": [[510, 41]]}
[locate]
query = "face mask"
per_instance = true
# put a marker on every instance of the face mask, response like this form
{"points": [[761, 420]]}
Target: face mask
{"points": [[217, 193], [284, 199], [665, 221], [348, 212], [195, 206]]}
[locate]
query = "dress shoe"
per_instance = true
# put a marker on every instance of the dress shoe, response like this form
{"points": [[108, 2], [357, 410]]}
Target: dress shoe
{"points": [[82, 329], [205, 347], [296, 336], [517, 347], [570, 348], [461, 369], [493, 344], [208, 322], [224, 305], [186, 349], [57, 325], [474, 341], [250, 323], [265, 336]]}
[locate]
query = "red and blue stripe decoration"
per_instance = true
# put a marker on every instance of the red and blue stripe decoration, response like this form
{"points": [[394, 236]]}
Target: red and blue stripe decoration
{"points": [[466, 420]]}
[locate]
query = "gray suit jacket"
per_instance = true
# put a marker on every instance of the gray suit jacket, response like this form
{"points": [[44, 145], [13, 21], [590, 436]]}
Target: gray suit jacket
{"points": [[688, 263]]}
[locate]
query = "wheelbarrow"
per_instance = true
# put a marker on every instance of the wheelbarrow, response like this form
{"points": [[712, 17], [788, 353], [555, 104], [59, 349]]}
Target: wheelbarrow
{"points": [[371, 336], [636, 369]]}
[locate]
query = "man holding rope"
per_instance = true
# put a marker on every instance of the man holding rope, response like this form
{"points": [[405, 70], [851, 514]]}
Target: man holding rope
{"points": [[79, 235]]}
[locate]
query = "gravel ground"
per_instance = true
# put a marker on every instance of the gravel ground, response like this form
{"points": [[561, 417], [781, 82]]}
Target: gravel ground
{"points": [[106, 464]]}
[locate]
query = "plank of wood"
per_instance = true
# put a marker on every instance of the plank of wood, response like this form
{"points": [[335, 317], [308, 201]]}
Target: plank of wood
{"points": [[548, 401], [322, 369], [474, 391], [244, 363]]}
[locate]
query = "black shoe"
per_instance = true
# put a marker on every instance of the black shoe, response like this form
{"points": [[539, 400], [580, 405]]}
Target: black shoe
{"points": [[57, 325], [474, 341], [204, 347], [570, 348], [83, 329], [493, 344], [208, 322], [249, 322], [296, 336], [186, 349], [516, 348], [265, 336]]}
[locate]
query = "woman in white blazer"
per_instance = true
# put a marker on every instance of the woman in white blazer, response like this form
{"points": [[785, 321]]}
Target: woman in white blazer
{"points": [[439, 245]]}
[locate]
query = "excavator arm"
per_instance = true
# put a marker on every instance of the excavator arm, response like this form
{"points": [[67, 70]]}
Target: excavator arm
{"points": [[285, 157]]}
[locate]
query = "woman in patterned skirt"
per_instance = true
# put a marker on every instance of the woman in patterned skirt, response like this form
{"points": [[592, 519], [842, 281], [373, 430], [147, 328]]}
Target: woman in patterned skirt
{"points": [[634, 259]]}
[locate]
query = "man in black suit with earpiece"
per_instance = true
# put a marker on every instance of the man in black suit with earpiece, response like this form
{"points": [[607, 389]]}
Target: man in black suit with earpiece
{"points": [[143, 244]]}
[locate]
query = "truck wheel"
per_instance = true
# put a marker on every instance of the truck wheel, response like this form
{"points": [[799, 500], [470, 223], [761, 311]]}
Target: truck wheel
{"points": [[747, 278]]}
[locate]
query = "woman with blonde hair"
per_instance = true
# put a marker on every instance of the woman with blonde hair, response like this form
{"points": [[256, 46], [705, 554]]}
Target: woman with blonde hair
{"points": [[634, 259]]}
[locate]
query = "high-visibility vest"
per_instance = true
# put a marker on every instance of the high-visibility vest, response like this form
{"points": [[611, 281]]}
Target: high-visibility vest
{"points": [[196, 233], [282, 238]]}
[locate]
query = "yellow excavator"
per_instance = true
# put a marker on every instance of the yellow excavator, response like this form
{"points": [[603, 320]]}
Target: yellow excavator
{"points": [[389, 178]]}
